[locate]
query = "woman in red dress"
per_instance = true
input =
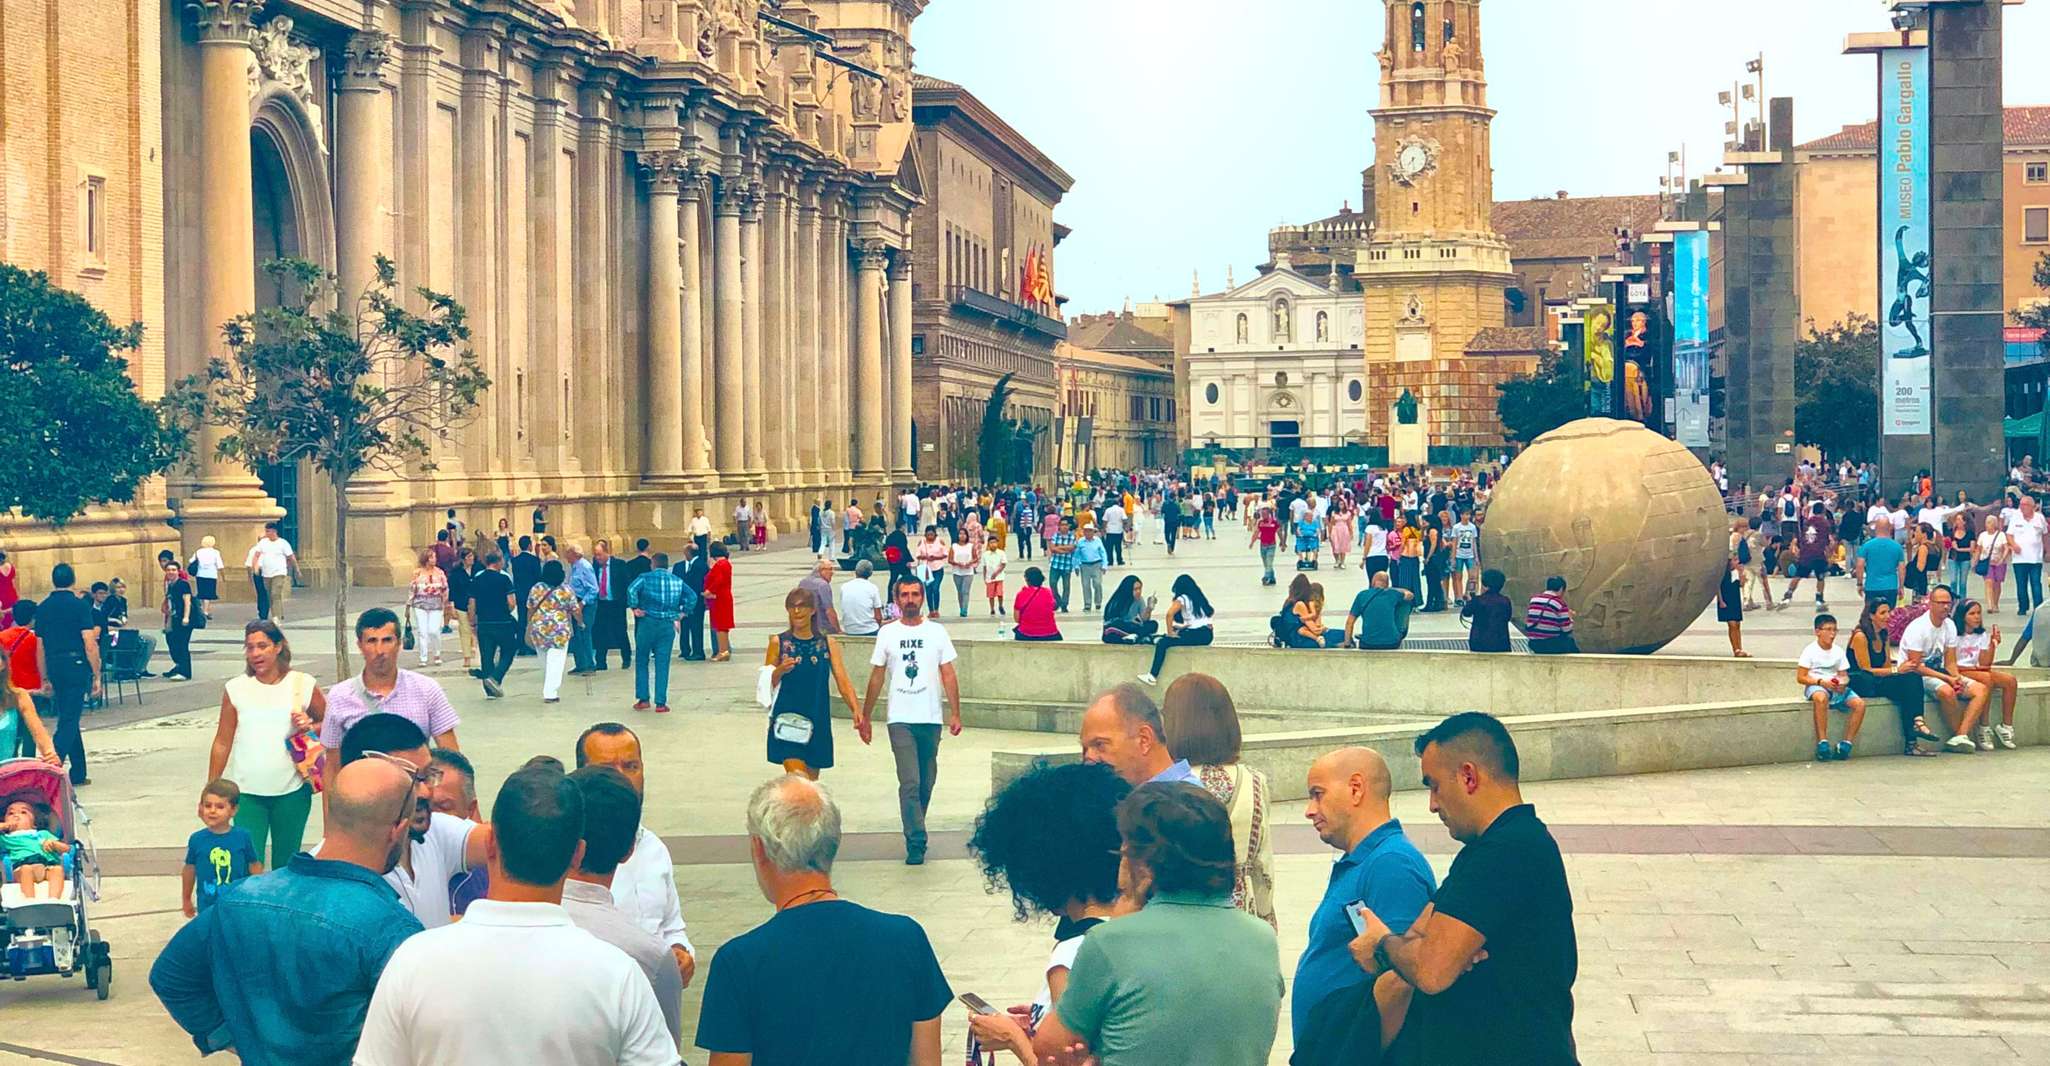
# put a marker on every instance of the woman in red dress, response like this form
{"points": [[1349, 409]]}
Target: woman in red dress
{"points": [[719, 599]]}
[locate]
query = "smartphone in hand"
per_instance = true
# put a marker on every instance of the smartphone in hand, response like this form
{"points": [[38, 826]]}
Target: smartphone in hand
{"points": [[976, 1004], [1356, 911]]}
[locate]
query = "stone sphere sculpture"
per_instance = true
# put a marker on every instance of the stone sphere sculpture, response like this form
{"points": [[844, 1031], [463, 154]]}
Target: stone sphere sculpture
{"points": [[1629, 518]]}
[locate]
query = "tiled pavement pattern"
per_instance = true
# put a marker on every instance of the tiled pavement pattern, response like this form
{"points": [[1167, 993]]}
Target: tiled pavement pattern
{"points": [[1883, 911]]}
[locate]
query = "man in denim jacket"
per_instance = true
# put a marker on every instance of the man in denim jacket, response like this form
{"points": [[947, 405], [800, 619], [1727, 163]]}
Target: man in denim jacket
{"points": [[281, 968]]}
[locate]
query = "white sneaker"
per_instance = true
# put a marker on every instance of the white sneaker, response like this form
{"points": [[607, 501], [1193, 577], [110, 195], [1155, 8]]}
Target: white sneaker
{"points": [[2005, 733], [1149, 679], [1960, 743], [1984, 735]]}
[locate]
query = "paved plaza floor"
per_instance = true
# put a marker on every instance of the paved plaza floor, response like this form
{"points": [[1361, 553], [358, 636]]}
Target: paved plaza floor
{"points": [[1880, 911]]}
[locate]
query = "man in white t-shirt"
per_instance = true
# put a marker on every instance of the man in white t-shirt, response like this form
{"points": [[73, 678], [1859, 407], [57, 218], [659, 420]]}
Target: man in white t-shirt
{"points": [[916, 657], [437, 846], [1824, 672], [1929, 647], [1114, 533], [2026, 530], [861, 603], [270, 563], [1933, 514], [1878, 522], [907, 510], [516, 980]]}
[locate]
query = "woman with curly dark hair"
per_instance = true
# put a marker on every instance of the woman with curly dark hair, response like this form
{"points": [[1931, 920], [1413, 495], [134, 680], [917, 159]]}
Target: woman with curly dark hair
{"points": [[1050, 838]]}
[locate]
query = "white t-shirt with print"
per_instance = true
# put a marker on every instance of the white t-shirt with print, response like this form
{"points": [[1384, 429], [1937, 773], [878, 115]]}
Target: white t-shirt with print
{"points": [[1929, 639], [1823, 663], [913, 655], [1970, 646]]}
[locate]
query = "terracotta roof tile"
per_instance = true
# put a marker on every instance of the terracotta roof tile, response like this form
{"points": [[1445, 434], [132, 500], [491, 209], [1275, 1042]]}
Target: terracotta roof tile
{"points": [[2020, 126], [1508, 340]]}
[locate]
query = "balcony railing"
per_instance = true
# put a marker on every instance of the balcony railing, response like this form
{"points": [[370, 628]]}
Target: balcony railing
{"points": [[978, 302]]}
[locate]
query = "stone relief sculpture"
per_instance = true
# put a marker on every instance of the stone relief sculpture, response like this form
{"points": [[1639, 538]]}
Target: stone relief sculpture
{"points": [[897, 97], [1323, 326], [1414, 312], [1281, 321], [1406, 408], [277, 61], [736, 16], [1242, 329]]}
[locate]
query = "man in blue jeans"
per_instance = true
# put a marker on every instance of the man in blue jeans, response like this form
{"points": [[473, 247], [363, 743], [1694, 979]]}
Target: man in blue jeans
{"points": [[1060, 563], [657, 600]]}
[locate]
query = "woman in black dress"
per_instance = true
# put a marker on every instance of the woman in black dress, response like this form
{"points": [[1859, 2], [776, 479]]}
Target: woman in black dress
{"points": [[804, 661], [1729, 605]]}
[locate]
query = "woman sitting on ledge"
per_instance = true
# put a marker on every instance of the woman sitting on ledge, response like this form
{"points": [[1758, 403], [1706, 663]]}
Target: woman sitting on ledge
{"points": [[1034, 609], [1127, 619]]}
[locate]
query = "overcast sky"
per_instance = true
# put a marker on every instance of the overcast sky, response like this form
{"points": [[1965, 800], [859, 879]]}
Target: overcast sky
{"points": [[1191, 127]]}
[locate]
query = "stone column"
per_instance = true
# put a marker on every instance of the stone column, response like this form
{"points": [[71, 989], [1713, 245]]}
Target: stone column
{"points": [[727, 361], [477, 192], [226, 498], [664, 172], [810, 376], [591, 272], [834, 334], [900, 363], [868, 368], [751, 326], [362, 158], [696, 458], [767, 249]]}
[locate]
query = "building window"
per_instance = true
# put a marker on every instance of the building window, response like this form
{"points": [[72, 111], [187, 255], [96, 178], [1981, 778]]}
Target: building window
{"points": [[2036, 173], [1353, 391], [2036, 225], [1210, 393], [92, 218]]}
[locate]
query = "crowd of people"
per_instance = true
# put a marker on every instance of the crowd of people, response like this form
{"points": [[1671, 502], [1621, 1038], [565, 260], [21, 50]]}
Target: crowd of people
{"points": [[417, 930]]}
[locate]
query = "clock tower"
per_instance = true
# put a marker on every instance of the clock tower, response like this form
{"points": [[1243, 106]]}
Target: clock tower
{"points": [[1434, 271]]}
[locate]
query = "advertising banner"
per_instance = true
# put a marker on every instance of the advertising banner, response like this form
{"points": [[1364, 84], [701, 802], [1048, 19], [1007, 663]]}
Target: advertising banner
{"points": [[1598, 352], [1904, 269], [1690, 338]]}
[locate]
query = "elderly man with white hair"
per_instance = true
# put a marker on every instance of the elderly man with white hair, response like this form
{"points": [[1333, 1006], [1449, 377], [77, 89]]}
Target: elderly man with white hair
{"points": [[819, 586], [778, 993]]}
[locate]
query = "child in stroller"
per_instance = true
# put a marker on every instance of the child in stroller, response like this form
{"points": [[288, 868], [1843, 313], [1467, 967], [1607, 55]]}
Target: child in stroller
{"points": [[32, 850]]}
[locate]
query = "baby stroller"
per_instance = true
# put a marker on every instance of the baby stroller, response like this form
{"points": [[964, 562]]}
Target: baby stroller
{"points": [[50, 936]]}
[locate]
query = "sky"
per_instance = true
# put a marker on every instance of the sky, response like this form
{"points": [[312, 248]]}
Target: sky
{"points": [[1192, 127]]}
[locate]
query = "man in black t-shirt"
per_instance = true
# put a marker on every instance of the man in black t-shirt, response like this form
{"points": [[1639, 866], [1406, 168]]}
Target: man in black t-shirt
{"points": [[1505, 902], [68, 637], [492, 616], [779, 993]]}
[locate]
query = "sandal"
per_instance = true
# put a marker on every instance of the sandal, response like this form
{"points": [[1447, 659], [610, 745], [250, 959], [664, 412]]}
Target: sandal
{"points": [[1740, 654], [1922, 731], [1919, 750]]}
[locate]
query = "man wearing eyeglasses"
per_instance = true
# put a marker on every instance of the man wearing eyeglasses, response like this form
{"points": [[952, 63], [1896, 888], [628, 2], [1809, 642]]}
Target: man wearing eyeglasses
{"points": [[282, 970], [437, 847]]}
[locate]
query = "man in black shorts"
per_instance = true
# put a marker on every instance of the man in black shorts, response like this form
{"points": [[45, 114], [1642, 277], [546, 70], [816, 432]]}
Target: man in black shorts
{"points": [[1489, 965], [1812, 544]]}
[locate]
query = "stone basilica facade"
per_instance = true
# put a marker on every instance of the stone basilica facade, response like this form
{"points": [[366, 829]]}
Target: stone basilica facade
{"points": [[681, 229]]}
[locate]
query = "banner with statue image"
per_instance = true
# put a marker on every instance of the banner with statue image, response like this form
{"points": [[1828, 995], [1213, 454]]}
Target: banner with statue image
{"points": [[1598, 355], [1904, 239]]}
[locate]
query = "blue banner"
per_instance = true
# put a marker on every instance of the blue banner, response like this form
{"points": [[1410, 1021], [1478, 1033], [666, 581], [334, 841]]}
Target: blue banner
{"points": [[1690, 338], [1904, 268]]}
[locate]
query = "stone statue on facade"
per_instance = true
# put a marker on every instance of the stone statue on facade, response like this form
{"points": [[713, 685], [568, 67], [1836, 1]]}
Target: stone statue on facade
{"points": [[278, 62], [1406, 408], [1281, 321]]}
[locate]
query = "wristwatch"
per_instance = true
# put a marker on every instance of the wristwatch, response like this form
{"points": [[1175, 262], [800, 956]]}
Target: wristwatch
{"points": [[1382, 962]]}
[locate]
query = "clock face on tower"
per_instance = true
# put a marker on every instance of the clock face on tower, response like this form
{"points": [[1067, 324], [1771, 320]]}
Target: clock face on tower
{"points": [[1412, 160]]}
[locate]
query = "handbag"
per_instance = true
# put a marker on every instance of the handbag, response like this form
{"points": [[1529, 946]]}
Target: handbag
{"points": [[791, 728], [406, 641]]}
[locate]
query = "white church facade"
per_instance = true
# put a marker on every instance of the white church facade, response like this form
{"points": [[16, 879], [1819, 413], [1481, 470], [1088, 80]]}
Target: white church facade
{"points": [[1275, 363]]}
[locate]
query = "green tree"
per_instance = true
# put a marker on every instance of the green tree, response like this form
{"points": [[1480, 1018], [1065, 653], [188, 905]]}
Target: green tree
{"points": [[78, 434], [348, 389], [994, 446], [1542, 402], [1836, 388]]}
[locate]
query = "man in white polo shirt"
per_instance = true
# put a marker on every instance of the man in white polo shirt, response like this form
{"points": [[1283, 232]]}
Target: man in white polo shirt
{"points": [[645, 886], [516, 981], [2026, 530], [1929, 647]]}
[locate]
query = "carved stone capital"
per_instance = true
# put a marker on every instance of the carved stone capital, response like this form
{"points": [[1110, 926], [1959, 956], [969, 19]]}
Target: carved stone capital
{"points": [[364, 57], [663, 168], [900, 265], [224, 21], [752, 196], [732, 197], [873, 255], [695, 179]]}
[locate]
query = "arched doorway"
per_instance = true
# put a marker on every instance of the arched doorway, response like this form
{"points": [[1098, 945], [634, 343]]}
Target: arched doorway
{"points": [[277, 237], [293, 217]]}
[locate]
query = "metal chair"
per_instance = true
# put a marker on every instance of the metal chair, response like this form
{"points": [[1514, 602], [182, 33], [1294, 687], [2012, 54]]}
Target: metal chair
{"points": [[127, 659]]}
